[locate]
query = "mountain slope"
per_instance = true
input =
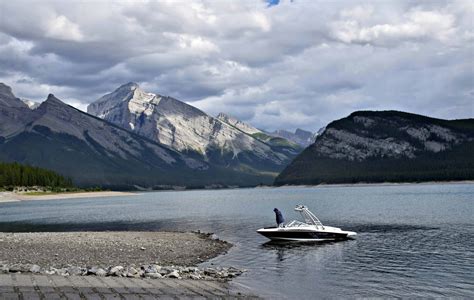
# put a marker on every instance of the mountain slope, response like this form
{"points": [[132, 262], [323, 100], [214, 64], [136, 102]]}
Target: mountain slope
{"points": [[383, 146], [94, 152], [301, 137], [236, 123], [188, 130], [277, 143]]}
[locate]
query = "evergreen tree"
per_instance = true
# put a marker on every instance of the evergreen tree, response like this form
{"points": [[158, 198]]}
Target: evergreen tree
{"points": [[15, 174]]}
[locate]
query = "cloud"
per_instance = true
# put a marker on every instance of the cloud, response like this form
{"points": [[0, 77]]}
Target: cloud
{"points": [[276, 64], [416, 25], [62, 28]]}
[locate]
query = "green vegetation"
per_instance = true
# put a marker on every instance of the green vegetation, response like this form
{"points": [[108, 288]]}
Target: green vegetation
{"points": [[274, 140], [279, 144], [261, 136], [14, 175], [455, 164]]}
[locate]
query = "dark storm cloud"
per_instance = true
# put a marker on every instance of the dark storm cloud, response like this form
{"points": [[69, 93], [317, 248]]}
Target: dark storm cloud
{"points": [[276, 64]]}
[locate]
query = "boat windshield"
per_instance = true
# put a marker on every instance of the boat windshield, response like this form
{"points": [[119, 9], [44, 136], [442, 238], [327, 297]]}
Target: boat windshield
{"points": [[309, 218]]}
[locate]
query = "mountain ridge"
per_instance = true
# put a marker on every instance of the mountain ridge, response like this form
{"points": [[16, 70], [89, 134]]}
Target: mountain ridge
{"points": [[189, 130], [371, 146], [95, 152]]}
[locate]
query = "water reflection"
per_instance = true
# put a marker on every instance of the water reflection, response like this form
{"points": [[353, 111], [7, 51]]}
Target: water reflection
{"points": [[287, 249]]}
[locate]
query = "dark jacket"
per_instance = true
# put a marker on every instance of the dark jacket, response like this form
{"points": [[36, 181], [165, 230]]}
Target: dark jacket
{"points": [[279, 216]]}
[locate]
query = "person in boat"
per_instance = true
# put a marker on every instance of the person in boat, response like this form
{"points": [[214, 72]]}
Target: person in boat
{"points": [[279, 217]]}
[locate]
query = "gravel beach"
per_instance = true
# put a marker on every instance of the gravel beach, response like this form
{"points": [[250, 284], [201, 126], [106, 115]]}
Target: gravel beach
{"points": [[59, 249]]}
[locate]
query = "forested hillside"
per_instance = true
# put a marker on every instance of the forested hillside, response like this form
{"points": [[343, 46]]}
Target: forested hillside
{"points": [[15, 174], [386, 146]]}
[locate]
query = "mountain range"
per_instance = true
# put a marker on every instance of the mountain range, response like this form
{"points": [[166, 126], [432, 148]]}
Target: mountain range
{"points": [[136, 139], [392, 146], [131, 138]]}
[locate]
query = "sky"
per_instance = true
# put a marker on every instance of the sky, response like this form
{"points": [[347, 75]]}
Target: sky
{"points": [[274, 64]]}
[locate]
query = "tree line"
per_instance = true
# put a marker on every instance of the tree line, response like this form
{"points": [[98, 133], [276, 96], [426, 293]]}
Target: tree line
{"points": [[15, 174]]}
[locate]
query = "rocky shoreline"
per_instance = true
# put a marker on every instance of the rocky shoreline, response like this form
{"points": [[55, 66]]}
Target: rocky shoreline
{"points": [[122, 254], [145, 271]]}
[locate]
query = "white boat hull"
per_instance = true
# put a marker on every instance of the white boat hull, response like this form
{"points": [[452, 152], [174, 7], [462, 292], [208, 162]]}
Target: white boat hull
{"points": [[306, 234]]}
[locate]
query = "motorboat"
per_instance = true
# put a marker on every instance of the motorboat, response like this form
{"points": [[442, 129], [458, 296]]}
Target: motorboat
{"points": [[311, 230]]}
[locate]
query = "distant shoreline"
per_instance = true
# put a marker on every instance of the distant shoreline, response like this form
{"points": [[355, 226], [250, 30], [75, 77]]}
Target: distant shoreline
{"points": [[15, 197], [362, 184]]}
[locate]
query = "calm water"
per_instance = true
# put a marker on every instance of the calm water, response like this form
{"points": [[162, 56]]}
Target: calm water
{"points": [[414, 240]]}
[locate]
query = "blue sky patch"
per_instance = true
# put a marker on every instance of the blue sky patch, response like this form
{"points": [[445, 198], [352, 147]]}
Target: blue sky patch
{"points": [[272, 2]]}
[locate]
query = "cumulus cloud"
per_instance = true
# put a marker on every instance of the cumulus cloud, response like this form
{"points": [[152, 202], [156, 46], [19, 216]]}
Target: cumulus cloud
{"points": [[415, 25], [275, 64]]}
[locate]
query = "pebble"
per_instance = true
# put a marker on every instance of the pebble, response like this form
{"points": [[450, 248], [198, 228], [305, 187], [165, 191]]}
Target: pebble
{"points": [[117, 271], [76, 271], [62, 272], [151, 269], [173, 274], [35, 269], [132, 272], [153, 275], [101, 272]]}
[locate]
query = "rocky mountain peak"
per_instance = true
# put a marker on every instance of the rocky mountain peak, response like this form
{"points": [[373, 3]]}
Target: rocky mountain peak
{"points": [[225, 140], [301, 137], [7, 98], [302, 133], [131, 85], [124, 93], [52, 100], [6, 90], [127, 88]]}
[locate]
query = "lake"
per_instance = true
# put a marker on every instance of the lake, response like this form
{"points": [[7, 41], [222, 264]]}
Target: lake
{"points": [[414, 240]]}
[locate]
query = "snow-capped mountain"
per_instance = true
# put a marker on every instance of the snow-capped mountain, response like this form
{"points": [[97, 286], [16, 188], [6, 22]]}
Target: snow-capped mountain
{"points": [[189, 130]]}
